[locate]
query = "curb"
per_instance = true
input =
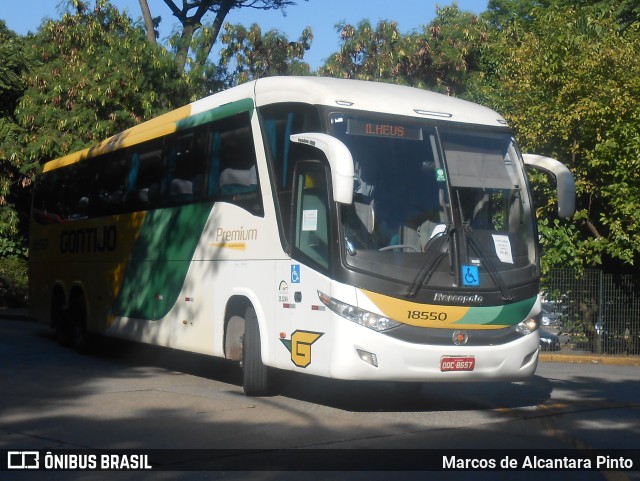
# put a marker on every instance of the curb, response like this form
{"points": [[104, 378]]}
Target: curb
{"points": [[590, 359]]}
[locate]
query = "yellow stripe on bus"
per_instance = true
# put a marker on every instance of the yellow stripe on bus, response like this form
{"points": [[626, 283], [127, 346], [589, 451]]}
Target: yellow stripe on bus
{"points": [[416, 314], [154, 128]]}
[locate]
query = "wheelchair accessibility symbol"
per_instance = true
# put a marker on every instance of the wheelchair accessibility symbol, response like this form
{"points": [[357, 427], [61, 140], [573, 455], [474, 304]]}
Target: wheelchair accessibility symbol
{"points": [[470, 276], [295, 274]]}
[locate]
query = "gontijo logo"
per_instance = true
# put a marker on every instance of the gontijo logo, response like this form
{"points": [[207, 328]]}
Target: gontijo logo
{"points": [[90, 240], [300, 346]]}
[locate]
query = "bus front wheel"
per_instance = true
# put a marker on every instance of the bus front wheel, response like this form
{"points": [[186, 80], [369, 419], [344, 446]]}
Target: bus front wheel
{"points": [[255, 380]]}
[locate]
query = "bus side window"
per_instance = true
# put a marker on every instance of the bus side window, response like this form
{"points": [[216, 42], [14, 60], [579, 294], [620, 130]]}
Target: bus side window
{"points": [[63, 194], [232, 175], [279, 122], [237, 164], [214, 164], [78, 196], [47, 202], [186, 165], [111, 181], [311, 213], [144, 189]]}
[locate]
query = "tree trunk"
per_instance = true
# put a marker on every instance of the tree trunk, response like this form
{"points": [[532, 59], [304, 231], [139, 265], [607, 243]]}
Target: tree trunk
{"points": [[148, 21], [189, 26], [184, 44], [225, 8]]}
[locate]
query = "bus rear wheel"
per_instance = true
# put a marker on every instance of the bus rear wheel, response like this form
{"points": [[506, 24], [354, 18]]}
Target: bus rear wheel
{"points": [[255, 380]]}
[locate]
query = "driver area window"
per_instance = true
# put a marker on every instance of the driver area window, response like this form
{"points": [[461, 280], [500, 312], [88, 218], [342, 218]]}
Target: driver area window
{"points": [[311, 235]]}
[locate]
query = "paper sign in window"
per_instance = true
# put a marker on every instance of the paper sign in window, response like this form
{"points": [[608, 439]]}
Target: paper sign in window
{"points": [[503, 248], [309, 220]]}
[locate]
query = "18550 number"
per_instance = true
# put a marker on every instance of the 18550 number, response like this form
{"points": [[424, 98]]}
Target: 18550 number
{"points": [[427, 315]]}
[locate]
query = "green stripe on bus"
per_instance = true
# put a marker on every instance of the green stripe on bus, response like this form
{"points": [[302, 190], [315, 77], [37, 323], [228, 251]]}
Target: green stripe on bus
{"points": [[511, 314], [218, 113], [160, 260], [506, 315]]}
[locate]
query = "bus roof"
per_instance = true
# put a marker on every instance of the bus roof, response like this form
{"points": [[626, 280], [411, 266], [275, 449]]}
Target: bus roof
{"points": [[375, 97], [342, 93]]}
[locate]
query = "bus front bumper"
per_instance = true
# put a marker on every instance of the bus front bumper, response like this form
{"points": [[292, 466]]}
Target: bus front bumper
{"points": [[360, 353]]}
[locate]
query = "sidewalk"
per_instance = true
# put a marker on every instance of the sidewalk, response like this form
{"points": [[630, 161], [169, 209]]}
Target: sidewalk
{"points": [[577, 357], [581, 357]]}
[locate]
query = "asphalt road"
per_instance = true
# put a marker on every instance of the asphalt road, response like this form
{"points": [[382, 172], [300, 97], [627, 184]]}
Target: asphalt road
{"points": [[128, 396]]}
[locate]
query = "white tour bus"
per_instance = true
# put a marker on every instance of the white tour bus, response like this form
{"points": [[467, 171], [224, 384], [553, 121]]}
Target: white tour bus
{"points": [[347, 229]]}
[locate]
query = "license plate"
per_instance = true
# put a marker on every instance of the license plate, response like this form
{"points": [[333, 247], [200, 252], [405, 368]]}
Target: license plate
{"points": [[457, 363]]}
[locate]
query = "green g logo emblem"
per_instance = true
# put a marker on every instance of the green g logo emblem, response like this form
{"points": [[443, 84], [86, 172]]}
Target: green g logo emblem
{"points": [[300, 346]]}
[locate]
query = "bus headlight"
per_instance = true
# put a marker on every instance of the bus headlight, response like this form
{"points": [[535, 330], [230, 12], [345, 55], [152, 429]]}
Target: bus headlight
{"points": [[527, 327], [357, 315]]}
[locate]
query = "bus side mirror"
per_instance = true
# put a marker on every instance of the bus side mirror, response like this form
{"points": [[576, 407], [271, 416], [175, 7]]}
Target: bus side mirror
{"points": [[340, 162], [564, 180]]}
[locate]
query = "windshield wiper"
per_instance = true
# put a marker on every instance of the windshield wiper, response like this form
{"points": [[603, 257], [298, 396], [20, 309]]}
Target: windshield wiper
{"points": [[434, 254]]}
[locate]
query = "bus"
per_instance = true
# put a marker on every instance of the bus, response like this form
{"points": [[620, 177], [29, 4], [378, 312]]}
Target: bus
{"points": [[341, 228]]}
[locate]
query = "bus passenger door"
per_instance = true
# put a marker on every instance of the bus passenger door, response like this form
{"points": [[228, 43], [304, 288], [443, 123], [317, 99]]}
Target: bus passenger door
{"points": [[301, 313]]}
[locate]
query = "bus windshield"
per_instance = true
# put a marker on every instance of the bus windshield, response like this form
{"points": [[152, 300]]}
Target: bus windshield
{"points": [[431, 202]]}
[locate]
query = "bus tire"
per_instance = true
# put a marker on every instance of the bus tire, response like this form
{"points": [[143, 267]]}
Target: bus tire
{"points": [[255, 380], [81, 340]]}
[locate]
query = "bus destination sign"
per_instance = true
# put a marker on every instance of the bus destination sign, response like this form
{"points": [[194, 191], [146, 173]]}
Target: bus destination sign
{"points": [[383, 129]]}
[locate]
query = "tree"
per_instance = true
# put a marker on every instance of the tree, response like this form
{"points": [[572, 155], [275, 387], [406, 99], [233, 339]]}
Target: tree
{"points": [[191, 22], [94, 75], [13, 67], [569, 83], [91, 74], [254, 55], [440, 57], [368, 53], [501, 13], [448, 50]]}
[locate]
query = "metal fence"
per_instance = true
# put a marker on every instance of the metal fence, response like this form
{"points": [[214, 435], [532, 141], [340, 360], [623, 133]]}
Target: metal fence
{"points": [[592, 311]]}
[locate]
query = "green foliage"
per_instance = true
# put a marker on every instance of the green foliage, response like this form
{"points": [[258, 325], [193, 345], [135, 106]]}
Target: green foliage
{"points": [[450, 49], [368, 54], [77, 81], [193, 44], [569, 83], [12, 240], [94, 75], [249, 54], [441, 57], [12, 70], [12, 67], [501, 13], [13, 282]]}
